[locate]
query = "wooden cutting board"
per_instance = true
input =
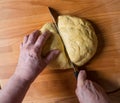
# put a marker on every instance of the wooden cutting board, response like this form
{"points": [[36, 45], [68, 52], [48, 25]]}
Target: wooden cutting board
{"points": [[18, 18]]}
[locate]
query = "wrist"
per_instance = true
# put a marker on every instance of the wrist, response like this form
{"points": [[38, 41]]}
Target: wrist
{"points": [[25, 73], [20, 79]]}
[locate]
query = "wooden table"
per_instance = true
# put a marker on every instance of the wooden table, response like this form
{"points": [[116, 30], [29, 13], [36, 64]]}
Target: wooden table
{"points": [[18, 18]]}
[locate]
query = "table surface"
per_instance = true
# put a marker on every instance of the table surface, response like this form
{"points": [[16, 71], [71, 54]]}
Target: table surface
{"points": [[18, 18]]}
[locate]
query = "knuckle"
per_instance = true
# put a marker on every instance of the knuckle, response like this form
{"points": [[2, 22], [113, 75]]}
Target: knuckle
{"points": [[30, 41], [33, 54], [27, 46], [36, 48], [86, 82], [43, 36], [33, 49], [78, 91]]}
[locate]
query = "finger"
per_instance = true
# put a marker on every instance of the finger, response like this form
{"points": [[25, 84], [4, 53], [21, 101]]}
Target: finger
{"points": [[81, 78], [88, 84], [33, 37], [98, 87], [25, 39], [41, 40], [52, 55]]}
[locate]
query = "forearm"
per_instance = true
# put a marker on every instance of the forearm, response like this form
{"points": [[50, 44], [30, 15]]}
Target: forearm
{"points": [[14, 91]]}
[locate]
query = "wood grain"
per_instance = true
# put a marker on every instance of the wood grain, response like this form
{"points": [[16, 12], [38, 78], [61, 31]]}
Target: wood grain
{"points": [[18, 18]]}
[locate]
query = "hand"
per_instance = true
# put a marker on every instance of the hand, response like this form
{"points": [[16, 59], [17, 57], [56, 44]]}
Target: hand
{"points": [[88, 91], [31, 62]]}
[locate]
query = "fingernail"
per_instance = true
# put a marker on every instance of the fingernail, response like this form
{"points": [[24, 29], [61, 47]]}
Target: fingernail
{"points": [[57, 51], [37, 31], [48, 32], [82, 71]]}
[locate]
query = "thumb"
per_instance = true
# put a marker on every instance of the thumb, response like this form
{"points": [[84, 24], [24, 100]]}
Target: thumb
{"points": [[52, 55], [81, 78]]}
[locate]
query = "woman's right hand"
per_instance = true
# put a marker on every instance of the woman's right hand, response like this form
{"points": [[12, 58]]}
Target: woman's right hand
{"points": [[88, 91]]}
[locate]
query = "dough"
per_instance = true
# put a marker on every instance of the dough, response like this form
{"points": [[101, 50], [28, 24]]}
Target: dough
{"points": [[55, 42], [79, 38]]}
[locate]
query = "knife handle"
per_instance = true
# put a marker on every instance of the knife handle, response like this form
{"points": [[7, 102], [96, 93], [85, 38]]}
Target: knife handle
{"points": [[76, 74]]}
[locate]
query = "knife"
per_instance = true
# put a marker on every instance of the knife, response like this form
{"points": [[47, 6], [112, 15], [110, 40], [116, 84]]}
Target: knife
{"points": [[54, 16]]}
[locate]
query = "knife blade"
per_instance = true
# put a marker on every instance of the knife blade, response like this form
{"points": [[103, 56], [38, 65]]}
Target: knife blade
{"points": [[54, 16]]}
